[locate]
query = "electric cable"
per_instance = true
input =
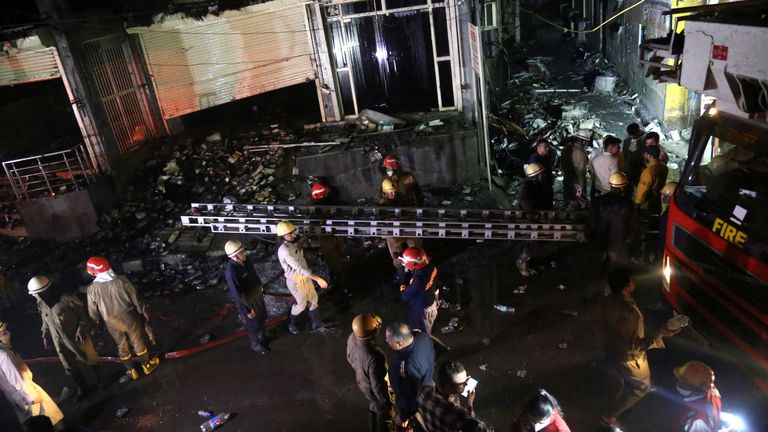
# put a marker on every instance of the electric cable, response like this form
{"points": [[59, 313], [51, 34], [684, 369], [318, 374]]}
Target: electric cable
{"points": [[623, 11]]}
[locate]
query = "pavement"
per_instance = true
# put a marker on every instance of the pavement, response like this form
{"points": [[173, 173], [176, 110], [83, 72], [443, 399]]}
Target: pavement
{"points": [[306, 384]]}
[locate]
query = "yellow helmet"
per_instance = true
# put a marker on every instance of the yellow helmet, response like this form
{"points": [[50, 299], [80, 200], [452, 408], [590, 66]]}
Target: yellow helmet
{"points": [[533, 169], [284, 227], [38, 284], [618, 180], [233, 247], [3, 325], [668, 189], [365, 326], [387, 185], [696, 374]]}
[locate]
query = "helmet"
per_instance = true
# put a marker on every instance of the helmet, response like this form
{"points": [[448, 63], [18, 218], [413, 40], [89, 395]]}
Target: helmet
{"points": [[233, 247], [364, 326], [533, 169], [284, 227], [97, 265], [3, 325], [38, 284], [388, 186], [696, 374], [391, 162], [319, 191], [618, 180], [414, 258], [584, 134], [668, 189]]}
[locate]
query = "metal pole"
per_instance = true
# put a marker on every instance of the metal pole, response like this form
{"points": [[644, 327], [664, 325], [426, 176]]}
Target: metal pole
{"points": [[45, 176], [484, 107], [517, 22], [12, 182]]}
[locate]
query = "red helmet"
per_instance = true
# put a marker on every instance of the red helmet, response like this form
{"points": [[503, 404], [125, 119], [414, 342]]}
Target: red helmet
{"points": [[414, 258], [319, 191], [97, 265], [391, 162]]}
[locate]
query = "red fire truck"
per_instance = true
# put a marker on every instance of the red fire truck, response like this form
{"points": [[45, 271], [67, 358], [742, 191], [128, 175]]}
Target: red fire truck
{"points": [[715, 264]]}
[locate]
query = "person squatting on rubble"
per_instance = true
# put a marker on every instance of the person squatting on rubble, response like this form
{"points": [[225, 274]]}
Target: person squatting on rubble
{"points": [[407, 186], [399, 190], [65, 320], [542, 413], [573, 163], [440, 406], [701, 399], [114, 298], [411, 366], [247, 293], [298, 278], [610, 221], [632, 149], [626, 343], [604, 165], [26, 398], [370, 365], [417, 276], [534, 194], [653, 178]]}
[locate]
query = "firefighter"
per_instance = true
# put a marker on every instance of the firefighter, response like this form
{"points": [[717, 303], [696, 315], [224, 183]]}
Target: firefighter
{"points": [[405, 182], [114, 299], [653, 178], [418, 290], [66, 321], [26, 398], [535, 193], [392, 197], [610, 220], [322, 194], [247, 293], [574, 163], [626, 343], [370, 366], [298, 278], [696, 384]]}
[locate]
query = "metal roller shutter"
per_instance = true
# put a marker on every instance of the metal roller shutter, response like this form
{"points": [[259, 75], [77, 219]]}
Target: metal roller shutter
{"points": [[197, 65], [27, 61]]}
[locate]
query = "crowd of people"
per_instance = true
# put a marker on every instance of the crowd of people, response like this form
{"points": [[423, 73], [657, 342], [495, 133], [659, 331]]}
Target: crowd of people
{"points": [[410, 387]]}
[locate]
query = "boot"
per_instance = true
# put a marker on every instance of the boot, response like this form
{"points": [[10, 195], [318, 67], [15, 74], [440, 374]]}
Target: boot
{"points": [[317, 324], [150, 365], [293, 324], [259, 348], [130, 371]]}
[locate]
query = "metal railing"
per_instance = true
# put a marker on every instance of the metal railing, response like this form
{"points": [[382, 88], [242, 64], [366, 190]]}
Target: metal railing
{"points": [[49, 174]]}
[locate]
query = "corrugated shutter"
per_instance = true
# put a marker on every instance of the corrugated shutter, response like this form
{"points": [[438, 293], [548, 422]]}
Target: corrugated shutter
{"points": [[197, 65], [27, 60]]}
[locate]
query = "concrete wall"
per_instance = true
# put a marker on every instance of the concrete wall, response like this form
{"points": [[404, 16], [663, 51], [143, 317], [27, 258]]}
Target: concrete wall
{"points": [[63, 218], [441, 160]]}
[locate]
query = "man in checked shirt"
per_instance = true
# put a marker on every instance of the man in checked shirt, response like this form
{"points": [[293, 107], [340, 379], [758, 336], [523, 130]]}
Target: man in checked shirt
{"points": [[441, 407]]}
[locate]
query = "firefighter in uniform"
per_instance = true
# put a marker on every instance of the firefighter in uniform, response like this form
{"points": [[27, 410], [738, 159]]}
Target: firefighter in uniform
{"points": [[66, 321], [405, 182], [26, 398], [535, 193], [417, 289], [626, 343], [370, 366], [247, 293], [298, 278], [696, 384], [116, 300], [391, 196]]}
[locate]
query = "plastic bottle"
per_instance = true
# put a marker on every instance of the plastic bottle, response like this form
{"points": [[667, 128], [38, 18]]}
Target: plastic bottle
{"points": [[215, 422], [504, 308]]}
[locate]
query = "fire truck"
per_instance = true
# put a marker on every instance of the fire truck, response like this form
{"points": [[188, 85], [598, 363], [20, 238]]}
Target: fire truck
{"points": [[715, 263]]}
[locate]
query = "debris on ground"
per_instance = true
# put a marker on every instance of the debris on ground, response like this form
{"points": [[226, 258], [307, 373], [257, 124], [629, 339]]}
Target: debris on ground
{"points": [[122, 412], [570, 312], [205, 413], [504, 308]]}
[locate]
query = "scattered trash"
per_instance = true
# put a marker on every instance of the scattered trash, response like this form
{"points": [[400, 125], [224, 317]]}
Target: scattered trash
{"points": [[486, 341], [215, 422], [504, 308], [204, 339], [204, 413], [446, 202], [214, 137], [563, 346], [122, 412], [561, 287], [453, 325], [483, 367], [570, 312], [522, 373], [124, 379], [605, 84], [520, 290]]}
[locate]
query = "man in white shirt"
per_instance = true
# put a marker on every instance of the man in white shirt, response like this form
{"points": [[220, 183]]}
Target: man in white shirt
{"points": [[605, 164]]}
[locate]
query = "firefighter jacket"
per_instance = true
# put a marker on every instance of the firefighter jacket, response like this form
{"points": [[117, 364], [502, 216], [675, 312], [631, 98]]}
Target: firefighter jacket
{"points": [[418, 291], [26, 397], [702, 412], [648, 193], [408, 191], [574, 165], [61, 322], [610, 219], [409, 369], [116, 301], [245, 286], [370, 366], [292, 261], [625, 340]]}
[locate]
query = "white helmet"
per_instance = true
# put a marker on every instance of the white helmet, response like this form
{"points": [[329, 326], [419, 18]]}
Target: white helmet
{"points": [[38, 284], [233, 247]]}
